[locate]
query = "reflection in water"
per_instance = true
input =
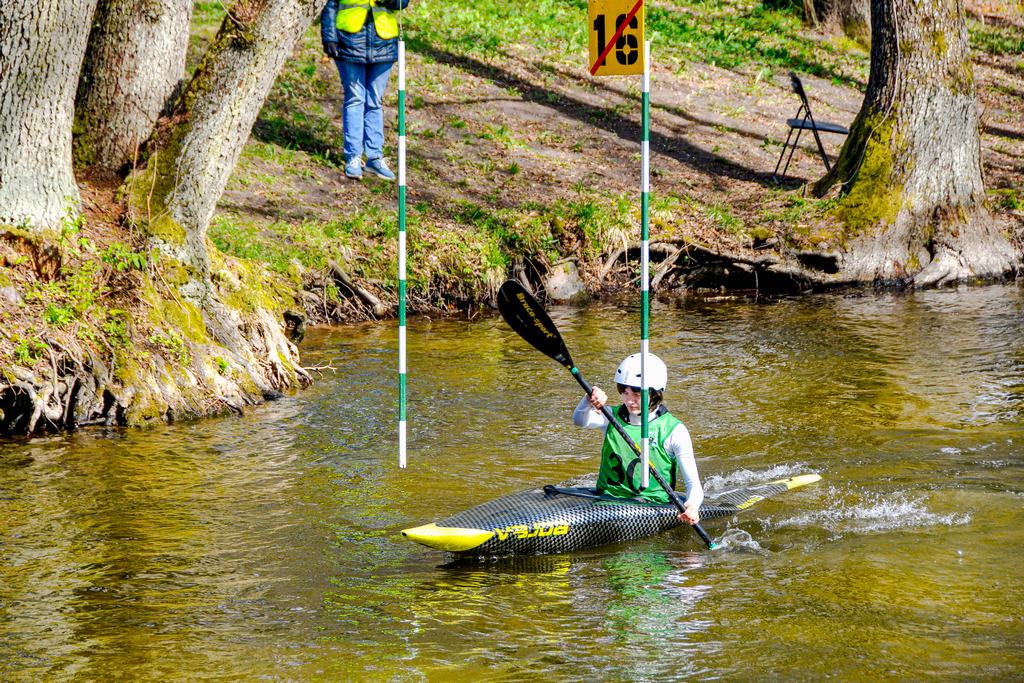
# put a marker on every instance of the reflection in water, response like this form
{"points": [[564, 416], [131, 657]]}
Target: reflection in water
{"points": [[267, 546], [651, 602], [133, 548]]}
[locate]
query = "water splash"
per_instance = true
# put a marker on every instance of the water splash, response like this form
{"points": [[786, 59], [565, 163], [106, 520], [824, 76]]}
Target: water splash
{"points": [[717, 483], [738, 540], [861, 513]]}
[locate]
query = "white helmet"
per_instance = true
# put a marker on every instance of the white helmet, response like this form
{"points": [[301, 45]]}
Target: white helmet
{"points": [[629, 372]]}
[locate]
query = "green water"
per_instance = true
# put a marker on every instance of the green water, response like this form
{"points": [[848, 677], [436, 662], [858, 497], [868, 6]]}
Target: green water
{"points": [[266, 547]]}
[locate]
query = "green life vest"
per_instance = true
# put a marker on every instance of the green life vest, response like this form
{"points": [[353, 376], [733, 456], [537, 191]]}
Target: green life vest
{"points": [[353, 15], [621, 469]]}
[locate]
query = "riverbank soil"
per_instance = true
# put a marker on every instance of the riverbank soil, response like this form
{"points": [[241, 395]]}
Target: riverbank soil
{"points": [[499, 141], [519, 164]]}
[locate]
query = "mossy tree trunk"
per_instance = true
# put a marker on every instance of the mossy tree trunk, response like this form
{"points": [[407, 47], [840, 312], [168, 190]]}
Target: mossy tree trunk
{"points": [[198, 145], [136, 58], [42, 43], [194, 151], [852, 17], [912, 210]]}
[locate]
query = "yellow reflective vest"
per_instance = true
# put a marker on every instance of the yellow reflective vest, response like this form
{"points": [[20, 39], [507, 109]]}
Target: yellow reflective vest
{"points": [[352, 16]]}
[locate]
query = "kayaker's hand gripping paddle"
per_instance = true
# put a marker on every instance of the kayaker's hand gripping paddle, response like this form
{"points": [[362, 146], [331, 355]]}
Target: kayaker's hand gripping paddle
{"points": [[524, 315]]}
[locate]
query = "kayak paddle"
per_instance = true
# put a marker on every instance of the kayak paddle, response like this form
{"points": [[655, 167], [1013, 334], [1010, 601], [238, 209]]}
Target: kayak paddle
{"points": [[528, 319]]}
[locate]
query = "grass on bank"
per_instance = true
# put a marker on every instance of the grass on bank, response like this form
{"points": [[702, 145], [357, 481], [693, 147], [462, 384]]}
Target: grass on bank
{"points": [[298, 137], [298, 133], [461, 241], [731, 34], [71, 288], [464, 243]]}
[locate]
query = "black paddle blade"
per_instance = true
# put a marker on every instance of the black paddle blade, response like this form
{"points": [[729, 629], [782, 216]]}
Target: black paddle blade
{"points": [[524, 315]]}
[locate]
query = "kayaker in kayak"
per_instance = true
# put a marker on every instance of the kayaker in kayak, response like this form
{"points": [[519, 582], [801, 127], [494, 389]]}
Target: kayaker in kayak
{"points": [[671, 451]]}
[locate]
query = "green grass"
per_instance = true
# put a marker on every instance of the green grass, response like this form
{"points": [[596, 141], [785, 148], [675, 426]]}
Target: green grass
{"points": [[461, 246], [733, 34], [797, 208], [724, 219], [996, 40], [293, 116], [74, 298], [1008, 198], [310, 243], [798, 214], [744, 35], [490, 28]]}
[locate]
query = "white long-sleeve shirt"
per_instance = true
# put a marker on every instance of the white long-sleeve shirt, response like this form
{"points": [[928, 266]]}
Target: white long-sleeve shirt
{"points": [[678, 444]]}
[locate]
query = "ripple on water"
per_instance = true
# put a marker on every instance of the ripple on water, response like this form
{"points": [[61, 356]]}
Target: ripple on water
{"points": [[266, 546]]}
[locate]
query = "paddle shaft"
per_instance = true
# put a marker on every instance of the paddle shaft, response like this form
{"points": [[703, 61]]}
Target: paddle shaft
{"points": [[608, 415]]}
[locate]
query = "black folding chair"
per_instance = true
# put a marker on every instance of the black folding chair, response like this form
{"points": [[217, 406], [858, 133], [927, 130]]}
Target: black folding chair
{"points": [[804, 121]]}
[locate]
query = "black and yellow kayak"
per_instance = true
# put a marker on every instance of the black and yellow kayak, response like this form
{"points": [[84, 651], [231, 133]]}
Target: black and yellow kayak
{"points": [[557, 519]]}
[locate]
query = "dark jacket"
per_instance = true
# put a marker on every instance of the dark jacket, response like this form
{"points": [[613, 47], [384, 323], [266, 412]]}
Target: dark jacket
{"points": [[365, 46]]}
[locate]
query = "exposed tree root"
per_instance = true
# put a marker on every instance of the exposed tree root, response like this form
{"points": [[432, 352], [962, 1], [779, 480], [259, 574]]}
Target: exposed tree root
{"points": [[681, 263], [70, 386], [376, 307]]}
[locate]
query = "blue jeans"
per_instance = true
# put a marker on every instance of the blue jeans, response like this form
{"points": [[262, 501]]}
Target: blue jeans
{"points": [[362, 116]]}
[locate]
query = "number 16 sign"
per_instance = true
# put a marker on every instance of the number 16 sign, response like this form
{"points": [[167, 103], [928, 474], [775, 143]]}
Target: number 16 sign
{"points": [[616, 37]]}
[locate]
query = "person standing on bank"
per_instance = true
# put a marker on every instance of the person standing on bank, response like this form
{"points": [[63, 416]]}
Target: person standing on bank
{"points": [[361, 37]]}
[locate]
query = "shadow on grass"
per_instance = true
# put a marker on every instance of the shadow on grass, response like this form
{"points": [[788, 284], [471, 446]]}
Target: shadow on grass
{"points": [[315, 134], [1004, 132], [600, 117]]}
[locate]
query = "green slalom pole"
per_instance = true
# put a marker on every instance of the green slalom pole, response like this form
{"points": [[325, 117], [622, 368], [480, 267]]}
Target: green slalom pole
{"points": [[645, 259], [401, 258]]}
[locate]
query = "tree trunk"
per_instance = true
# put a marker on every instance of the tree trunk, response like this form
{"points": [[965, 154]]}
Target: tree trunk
{"points": [[195, 151], [912, 210], [852, 17], [198, 148], [42, 43], [136, 58]]}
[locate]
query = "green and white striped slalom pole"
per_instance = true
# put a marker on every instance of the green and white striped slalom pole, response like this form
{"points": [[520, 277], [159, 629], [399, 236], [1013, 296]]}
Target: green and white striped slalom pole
{"points": [[645, 259], [401, 258]]}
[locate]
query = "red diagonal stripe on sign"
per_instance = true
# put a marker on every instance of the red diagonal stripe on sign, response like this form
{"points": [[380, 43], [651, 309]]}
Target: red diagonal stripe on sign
{"points": [[618, 34]]}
